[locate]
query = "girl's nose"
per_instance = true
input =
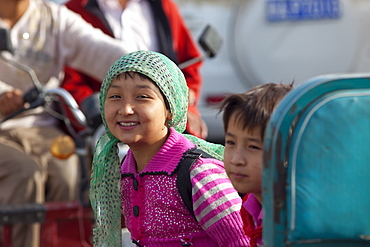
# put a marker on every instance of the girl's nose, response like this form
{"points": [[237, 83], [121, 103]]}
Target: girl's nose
{"points": [[126, 109]]}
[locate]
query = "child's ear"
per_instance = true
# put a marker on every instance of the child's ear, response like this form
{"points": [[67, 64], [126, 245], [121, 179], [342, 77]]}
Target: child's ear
{"points": [[169, 115], [168, 119]]}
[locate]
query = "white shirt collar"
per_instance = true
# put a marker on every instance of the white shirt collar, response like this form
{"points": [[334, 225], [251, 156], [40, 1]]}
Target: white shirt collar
{"points": [[134, 25]]}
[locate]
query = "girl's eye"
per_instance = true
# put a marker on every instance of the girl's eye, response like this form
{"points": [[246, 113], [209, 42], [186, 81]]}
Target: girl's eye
{"points": [[143, 96], [255, 147], [114, 96]]}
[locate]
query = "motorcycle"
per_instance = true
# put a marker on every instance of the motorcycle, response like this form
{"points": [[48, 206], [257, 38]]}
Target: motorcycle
{"points": [[65, 223], [70, 223]]}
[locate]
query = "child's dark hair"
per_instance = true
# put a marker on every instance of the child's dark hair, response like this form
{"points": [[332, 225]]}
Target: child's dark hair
{"points": [[254, 107]]}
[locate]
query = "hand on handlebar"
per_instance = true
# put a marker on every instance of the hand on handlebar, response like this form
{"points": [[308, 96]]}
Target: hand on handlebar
{"points": [[11, 102]]}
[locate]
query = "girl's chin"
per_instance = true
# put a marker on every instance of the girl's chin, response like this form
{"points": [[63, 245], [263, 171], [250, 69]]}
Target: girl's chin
{"points": [[134, 142], [128, 140]]}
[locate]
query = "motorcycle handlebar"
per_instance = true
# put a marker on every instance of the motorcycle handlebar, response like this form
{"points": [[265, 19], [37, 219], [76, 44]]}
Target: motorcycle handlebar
{"points": [[62, 93], [70, 102], [24, 68], [37, 96]]}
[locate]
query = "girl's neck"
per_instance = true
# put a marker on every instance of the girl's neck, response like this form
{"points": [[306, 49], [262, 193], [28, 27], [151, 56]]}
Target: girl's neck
{"points": [[142, 157], [12, 10], [143, 154]]}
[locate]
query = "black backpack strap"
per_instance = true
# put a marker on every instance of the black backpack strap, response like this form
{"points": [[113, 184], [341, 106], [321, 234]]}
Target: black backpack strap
{"points": [[183, 175], [183, 182]]}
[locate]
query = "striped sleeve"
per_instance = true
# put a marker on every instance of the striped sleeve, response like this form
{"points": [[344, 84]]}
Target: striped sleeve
{"points": [[216, 203]]}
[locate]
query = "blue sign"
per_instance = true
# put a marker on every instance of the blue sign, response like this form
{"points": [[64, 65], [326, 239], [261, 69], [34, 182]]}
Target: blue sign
{"points": [[294, 10]]}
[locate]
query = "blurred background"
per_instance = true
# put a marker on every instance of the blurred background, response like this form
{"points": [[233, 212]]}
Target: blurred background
{"points": [[276, 41]]}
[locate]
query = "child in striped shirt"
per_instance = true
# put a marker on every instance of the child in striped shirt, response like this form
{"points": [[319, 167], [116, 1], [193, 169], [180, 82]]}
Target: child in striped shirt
{"points": [[144, 104]]}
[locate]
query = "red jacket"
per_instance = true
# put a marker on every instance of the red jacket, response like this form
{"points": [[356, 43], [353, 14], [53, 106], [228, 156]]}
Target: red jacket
{"points": [[173, 29]]}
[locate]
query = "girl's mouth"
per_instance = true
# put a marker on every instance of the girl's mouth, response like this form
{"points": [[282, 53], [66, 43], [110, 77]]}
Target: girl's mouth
{"points": [[130, 124]]}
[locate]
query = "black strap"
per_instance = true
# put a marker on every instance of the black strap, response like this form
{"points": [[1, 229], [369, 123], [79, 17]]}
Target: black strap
{"points": [[183, 182], [92, 7], [183, 176], [164, 32]]}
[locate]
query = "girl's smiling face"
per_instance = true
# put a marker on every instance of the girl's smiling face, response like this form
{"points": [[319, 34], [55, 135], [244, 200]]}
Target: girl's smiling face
{"points": [[135, 111]]}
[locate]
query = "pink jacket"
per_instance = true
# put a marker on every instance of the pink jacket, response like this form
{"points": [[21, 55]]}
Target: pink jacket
{"points": [[155, 213]]}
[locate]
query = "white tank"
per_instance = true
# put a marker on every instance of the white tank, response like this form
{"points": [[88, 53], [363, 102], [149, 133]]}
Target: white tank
{"points": [[274, 41]]}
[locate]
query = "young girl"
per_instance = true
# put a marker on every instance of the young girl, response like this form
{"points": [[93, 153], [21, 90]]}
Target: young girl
{"points": [[144, 104]]}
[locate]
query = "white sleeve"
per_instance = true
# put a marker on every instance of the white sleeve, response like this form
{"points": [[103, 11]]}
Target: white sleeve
{"points": [[87, 48]]}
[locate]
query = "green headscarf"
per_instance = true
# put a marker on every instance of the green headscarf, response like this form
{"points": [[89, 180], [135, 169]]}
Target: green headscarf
{"points": [[105, 192]]}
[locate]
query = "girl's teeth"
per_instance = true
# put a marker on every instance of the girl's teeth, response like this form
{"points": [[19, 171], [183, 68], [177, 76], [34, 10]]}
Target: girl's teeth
{"points": [[127, 124]]}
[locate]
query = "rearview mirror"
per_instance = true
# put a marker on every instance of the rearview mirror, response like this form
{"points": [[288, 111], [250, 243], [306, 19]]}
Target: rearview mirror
{"points": [[210, 41]]}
